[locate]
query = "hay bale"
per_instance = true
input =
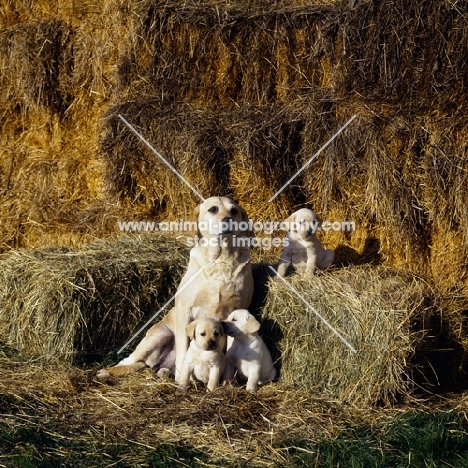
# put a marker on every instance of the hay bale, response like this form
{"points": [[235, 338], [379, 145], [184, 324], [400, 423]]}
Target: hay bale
{"points": [[57, 65], [205, 52], [69, 302], [384, 315], [220, 151]]}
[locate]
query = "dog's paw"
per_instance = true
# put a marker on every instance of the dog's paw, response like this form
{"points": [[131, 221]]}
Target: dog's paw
{"points": [[103, 374], [163, 373], [251, 388], [126, 362]]}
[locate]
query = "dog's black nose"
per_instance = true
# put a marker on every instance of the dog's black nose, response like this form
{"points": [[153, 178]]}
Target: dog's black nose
{"points": [[228, 225], [212, 344]]}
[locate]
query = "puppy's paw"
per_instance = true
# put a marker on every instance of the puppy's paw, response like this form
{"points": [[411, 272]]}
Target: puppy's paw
{"points": [[163, 373], [182, 389], [251, 388], [103, 374]]}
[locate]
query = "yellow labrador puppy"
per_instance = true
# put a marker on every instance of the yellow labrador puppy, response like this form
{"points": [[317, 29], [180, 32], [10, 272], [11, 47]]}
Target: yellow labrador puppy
{"points": [[303, 250], [247, 354], [205, 360], [218, 280]]}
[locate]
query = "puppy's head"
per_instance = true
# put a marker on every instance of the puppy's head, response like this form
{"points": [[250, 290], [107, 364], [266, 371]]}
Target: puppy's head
{"points": [[302, 224], [220, 216], [206, 333], [240, 322]]}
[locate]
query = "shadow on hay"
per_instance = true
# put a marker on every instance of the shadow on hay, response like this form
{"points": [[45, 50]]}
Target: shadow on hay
{"points": [[440, 365], [370, 255], [270, 331]]}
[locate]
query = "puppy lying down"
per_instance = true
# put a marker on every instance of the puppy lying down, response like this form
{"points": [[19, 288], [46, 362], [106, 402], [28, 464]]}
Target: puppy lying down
{"points": [[304, 251], [246, 353], [205, 360]]}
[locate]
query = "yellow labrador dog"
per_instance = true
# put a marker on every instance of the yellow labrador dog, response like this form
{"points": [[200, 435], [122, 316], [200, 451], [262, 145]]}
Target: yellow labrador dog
{"points": [[217, 281], [205, 360], [303, 250], [247, 354]]}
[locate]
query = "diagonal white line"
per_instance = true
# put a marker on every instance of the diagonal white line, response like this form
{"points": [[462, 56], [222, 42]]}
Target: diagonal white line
{"points": [[314, 311], [312, 158], [159, 156], [161, 309]]}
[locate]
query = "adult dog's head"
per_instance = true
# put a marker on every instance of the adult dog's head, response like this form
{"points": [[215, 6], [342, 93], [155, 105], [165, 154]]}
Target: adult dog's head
{"points": [[206, 333], [240, 322], [302, 224], [220, 216]]}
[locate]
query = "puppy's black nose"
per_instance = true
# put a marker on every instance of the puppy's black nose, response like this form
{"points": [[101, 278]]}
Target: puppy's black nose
{"points": [[212, 344]]}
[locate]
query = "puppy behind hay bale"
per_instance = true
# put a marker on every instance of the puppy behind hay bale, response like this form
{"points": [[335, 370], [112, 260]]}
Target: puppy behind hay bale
{"points": [[60, 303], [382, 314]]}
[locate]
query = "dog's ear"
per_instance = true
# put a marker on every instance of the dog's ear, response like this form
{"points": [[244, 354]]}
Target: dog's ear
{"points": [[245, 219], [221, 329], [252, 325], [289, 222], [190, 329], [193, 225], [317, 219], [243, 213]]}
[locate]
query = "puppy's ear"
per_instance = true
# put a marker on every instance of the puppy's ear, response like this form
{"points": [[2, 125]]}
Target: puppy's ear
{"points": [[291, 218], [190, 329], [194, 230], [317, 219], [289, 221], [252, 325]]}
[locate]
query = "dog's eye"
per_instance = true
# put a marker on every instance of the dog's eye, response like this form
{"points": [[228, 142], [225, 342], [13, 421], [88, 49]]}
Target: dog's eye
{"points": [[216, 333], [213, 209], [234, 211], [202, 334]]}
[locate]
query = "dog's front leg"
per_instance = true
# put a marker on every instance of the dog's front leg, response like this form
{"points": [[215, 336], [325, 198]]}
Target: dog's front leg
{"points": [[253, 378], [184, 377], [228, 373], [311, 262], [284, 263], [213, 380], [181, 346]]}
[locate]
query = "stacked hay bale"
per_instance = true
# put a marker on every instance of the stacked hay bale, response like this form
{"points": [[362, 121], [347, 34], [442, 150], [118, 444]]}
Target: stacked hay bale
{"points": [[261, 89], [238, 96], [56, 80], [356, 334], [68, 303]]}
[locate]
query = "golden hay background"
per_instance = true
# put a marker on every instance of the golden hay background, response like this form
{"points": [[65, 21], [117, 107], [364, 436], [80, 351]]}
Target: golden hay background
{"points": [[238, 96]]}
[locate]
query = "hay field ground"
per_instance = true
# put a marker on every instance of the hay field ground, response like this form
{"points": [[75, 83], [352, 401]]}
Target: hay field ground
{"points": [[237, 96]]}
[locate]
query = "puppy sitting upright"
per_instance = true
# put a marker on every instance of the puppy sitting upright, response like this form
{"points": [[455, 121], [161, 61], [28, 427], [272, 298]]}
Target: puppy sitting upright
{"points": [[205, 360], [247, 353], [304, 251]]}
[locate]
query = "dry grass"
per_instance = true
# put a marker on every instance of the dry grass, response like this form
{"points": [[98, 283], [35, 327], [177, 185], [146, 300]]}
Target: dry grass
{"points": [[58, 414], [68, 303], [386, 316], [136, 416]]}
